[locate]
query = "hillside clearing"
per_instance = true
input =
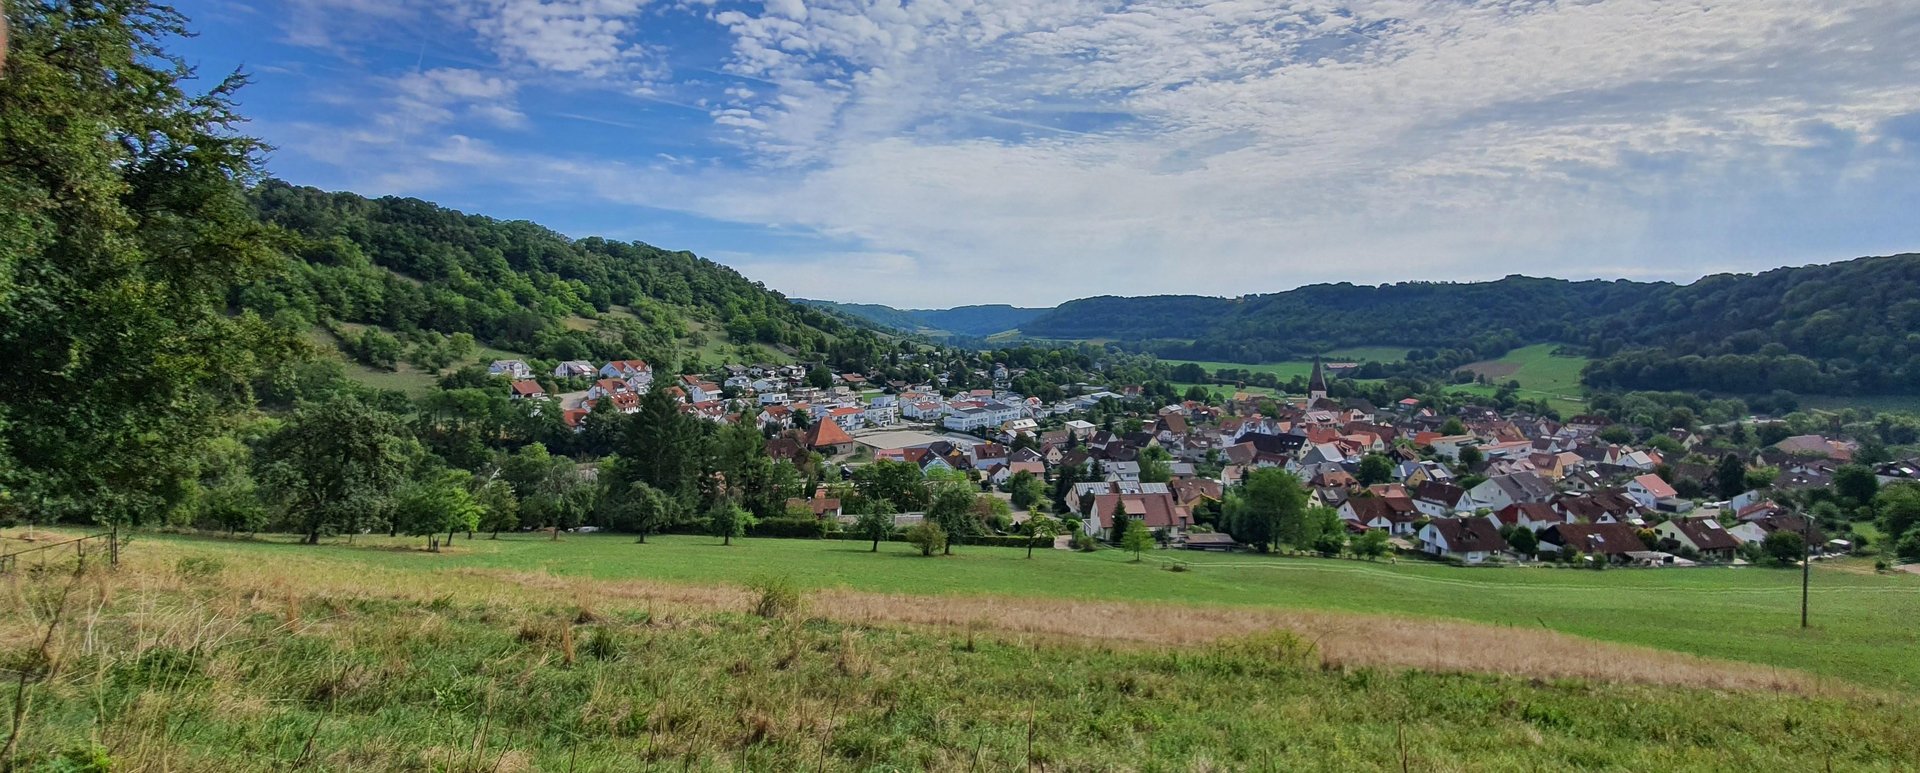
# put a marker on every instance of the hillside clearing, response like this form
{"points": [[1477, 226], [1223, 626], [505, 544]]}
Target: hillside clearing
{"points": [[1542, 375]]}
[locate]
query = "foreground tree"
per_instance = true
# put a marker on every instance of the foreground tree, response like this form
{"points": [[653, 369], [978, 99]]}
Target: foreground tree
{"points": [[1371, 545], [642, 509], [333, 463], [1138, 539], [952, 509], [875, 524], [435, 503], [728, 521], [500, 509], [1268, 508], [1041, 528], [123, 229], [1784, 547]]}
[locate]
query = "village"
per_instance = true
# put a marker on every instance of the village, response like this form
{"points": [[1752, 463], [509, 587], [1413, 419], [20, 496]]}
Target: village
{"points": [[1458, 486]]}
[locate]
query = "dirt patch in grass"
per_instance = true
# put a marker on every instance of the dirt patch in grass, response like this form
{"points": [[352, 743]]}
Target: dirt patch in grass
{"points": [[1342, 639]]}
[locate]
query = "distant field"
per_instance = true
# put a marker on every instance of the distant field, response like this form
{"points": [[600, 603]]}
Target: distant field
{"points": [[1540, 373], [1862, 632], [1908, 403], [404, 377], [1304, 368]]}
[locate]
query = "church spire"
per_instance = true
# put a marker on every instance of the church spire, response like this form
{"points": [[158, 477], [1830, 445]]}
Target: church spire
{"points": [[1317, 385]]}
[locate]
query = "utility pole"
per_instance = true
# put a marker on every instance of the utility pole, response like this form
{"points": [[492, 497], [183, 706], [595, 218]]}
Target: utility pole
{"points": [[1806, 563]]}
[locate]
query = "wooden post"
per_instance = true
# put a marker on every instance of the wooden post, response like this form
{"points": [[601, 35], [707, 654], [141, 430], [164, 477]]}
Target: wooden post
{"points": [[1806, 563]]}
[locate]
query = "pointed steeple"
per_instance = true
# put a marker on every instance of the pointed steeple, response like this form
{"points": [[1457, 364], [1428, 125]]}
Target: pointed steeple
{"points": [[1317, 385]]}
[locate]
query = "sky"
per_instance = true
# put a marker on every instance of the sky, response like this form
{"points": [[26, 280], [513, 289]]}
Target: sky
{"points": [[935, 153]]}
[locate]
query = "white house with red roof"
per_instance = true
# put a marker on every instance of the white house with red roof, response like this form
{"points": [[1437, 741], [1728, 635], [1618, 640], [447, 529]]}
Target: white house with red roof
{"points": [[1648, 490]]}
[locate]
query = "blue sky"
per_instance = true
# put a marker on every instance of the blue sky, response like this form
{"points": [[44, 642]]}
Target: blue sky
{"points": [[943, 152]]}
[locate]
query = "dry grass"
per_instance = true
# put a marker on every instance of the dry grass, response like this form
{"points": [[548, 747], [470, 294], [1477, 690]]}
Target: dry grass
{"points": [[1343, 639]]}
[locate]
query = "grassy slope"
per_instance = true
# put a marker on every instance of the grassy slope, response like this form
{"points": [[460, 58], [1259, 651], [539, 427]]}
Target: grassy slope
{"points": [[240, 668], [1541, 375], [1303, 368], [1862, 633]]}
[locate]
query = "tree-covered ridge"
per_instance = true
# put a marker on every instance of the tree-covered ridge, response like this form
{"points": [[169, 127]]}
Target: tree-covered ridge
{"points": [[405, 263], [1844, 328], [970, 321]]}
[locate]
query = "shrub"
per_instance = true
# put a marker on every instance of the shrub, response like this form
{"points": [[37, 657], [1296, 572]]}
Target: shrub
{"points": [[928, 537], [778, 597], [1085, 542]]}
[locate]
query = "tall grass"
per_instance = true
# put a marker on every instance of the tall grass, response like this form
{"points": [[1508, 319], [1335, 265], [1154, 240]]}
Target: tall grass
{"points": [[173, 671]]}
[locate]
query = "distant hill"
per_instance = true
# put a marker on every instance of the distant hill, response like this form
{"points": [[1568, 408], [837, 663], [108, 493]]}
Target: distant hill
{"points": [[968, 321], [1851, 327]]}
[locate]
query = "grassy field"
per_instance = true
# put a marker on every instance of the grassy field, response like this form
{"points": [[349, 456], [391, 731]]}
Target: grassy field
{"points": [[1304, 368], [1862, 626], [1541, 375], [218, 656]]}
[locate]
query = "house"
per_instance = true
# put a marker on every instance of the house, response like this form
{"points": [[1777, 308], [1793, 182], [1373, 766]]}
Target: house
{"points": [[1703, 534], [1500, 491], [1649, 491], [822, 506], [849, 419], [1157, 511], [1473, 540], [1898, 472], [636, 372], [827, 438], [1600, 506], [1817, 447], [1533, 516], [879, 415], [1395, 514], [514, 369], [1449, 446], [527, 389], [574, 369], [1615, 541], [1438, 499], [1754, 528]]}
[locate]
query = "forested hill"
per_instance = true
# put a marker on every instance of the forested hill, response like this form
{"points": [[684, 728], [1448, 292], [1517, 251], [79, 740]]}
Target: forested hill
{"points": [[1843, 328], [405, 264], [970, 321]]}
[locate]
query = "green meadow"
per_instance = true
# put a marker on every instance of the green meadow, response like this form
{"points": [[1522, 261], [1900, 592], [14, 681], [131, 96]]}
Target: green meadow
{"points": [[1862, 629], [1542, 375]]}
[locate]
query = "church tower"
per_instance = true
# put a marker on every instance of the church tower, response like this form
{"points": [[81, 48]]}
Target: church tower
{"points": [[1317, 385]]}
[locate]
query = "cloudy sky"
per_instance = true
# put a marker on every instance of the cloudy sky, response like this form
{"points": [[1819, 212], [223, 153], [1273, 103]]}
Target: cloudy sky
{"points": [[941, 152]]}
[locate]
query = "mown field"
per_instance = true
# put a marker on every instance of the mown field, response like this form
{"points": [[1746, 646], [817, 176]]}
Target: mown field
{"points": [[204, 654], [1862, 630], [1541, 375]]}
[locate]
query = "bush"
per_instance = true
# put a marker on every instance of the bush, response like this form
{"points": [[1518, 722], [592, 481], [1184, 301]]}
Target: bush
{"points": [[778, 597], [928, 537], [1909, 547], [1085, 542]]}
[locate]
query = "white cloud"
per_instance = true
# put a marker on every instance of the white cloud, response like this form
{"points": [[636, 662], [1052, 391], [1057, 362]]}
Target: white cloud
{"points": [[595, 38], [1018, 151], [1244, 146]]}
